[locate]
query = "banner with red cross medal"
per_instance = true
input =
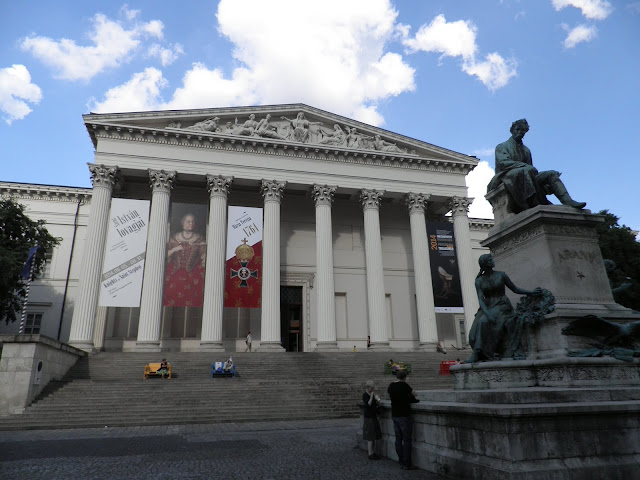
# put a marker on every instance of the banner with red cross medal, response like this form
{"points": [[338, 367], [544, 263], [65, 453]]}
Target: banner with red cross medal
{"points": [[243, 269]]}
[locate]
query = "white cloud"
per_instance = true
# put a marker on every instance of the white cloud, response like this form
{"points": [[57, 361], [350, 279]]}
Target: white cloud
{"points": [[495, 72], [331, 55], [203, 88], [113, 44], [451, 39], [166, 55], [458, 39], [153, 28], [591, 9], [484, 152], [579, 34], [140, 93], [477, 181], [129, 13], [16, 90]]}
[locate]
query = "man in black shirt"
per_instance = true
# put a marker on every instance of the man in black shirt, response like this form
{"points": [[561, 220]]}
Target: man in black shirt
{"points": [[402, 396]]}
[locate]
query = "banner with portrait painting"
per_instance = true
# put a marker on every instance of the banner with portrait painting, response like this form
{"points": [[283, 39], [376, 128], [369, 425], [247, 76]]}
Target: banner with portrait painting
{"points": [[445, 275], [186, 256], [125, 250], [243, 269]]}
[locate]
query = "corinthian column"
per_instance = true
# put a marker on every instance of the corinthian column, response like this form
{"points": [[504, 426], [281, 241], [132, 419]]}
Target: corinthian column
{"points": [[270, 322], [211, 337], [154, 265], [459, 210], [84, 312], [370, 200], [323, 197], [427, 329]]}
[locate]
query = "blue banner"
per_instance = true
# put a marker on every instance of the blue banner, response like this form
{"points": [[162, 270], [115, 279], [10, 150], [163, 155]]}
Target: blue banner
{"points": [[26, 268]]}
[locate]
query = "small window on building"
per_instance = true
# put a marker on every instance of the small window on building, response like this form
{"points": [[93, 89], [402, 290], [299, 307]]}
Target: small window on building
{"points": [[48, 261], [32, 323]]}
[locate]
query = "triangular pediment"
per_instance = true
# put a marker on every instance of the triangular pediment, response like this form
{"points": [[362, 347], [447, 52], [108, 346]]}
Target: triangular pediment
{"points": [[296, 125]]}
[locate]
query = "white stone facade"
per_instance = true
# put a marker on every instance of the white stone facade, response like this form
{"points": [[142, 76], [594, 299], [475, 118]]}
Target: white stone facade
{"points": [[313, 188]]}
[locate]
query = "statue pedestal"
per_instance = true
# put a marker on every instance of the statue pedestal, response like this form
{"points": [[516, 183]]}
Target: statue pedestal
{"points": [[501, 203], [556, 247], [523, 433]]}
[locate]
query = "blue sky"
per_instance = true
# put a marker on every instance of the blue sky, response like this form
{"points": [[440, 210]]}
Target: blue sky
{"points": [[452, 73]]}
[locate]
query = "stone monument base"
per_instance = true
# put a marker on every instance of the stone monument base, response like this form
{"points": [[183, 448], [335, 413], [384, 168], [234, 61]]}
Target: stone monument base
{"points": [[567, 372], [556, 247], [534, 433]]}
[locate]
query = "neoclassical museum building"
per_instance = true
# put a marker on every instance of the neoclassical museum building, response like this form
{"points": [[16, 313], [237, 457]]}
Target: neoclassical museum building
{"points": [[310, 230]]}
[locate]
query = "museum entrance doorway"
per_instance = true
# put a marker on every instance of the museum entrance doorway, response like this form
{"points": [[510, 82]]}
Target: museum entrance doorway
{"points": [[291, 318]]}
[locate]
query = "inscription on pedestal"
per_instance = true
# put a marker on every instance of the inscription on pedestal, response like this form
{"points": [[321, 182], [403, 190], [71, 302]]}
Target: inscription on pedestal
{"points": [[573, 254]]}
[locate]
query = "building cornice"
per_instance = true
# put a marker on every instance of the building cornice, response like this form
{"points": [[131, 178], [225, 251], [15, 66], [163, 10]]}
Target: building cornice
{"points": [[266, 146], [481, 223], [53, 193]]}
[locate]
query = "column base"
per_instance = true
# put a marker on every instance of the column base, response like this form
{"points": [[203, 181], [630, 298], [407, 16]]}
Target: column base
{"points": [[327, 347], [380, 347], [147, 347], [270, 347], [84, 345], [211, 347], [427, 347]]}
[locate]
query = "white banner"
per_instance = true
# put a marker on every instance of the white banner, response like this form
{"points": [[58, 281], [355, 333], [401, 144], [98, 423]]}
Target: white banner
{"points": [[124, 253], [245, 223]]}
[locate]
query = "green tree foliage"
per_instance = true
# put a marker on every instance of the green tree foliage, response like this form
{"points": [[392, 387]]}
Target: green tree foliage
{"points": [[618, 243], [18, 233]]}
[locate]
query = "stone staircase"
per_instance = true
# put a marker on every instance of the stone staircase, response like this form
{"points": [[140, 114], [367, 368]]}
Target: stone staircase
{"points": [[107, 388]]}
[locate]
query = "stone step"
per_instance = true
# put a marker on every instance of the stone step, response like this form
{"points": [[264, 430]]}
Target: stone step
{"points": [[107, 389]]}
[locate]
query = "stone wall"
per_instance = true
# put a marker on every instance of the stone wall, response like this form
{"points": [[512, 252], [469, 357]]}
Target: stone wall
{"points": [[528, 433], [27, 365]]}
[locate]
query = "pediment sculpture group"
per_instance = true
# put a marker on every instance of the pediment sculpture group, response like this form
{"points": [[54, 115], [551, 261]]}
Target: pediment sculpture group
{"points": [[298, 129]]}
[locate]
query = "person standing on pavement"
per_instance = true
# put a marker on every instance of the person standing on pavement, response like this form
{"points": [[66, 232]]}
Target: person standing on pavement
{"points": [[402, 396], [248, 341], [371, 427]]}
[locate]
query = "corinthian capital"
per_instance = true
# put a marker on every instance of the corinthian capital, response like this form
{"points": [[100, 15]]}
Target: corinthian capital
{"points": [[218, 186], [371, 199], [161, 181], [272, 190], [323, 194], [460, 205], [102, 176], [416, 202]]}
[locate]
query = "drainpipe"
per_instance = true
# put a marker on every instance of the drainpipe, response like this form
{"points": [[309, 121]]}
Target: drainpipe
{"points": [[66, 283]]}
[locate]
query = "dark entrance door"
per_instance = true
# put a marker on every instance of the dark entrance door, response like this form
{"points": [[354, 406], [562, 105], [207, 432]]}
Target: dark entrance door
{"points": [[291, 318]]}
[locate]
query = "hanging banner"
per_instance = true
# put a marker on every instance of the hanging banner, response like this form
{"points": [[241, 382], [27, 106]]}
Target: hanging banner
{"points": [[243, 269], [124, 253], [186, 256], [445, 276]]}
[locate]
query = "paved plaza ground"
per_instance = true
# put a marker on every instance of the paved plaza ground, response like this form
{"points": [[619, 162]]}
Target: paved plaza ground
{"points": [[262, 451]]}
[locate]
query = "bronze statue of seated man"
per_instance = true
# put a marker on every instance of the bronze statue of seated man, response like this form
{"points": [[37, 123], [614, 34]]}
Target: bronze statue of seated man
{"points": [[526, 186]]}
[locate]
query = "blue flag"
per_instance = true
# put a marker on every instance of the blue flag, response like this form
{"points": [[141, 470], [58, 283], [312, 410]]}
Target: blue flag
{"points": [[26, 268]]}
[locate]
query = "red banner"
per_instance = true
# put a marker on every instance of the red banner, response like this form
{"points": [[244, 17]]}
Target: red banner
{"points": [[243, 269], [244, 280]]}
